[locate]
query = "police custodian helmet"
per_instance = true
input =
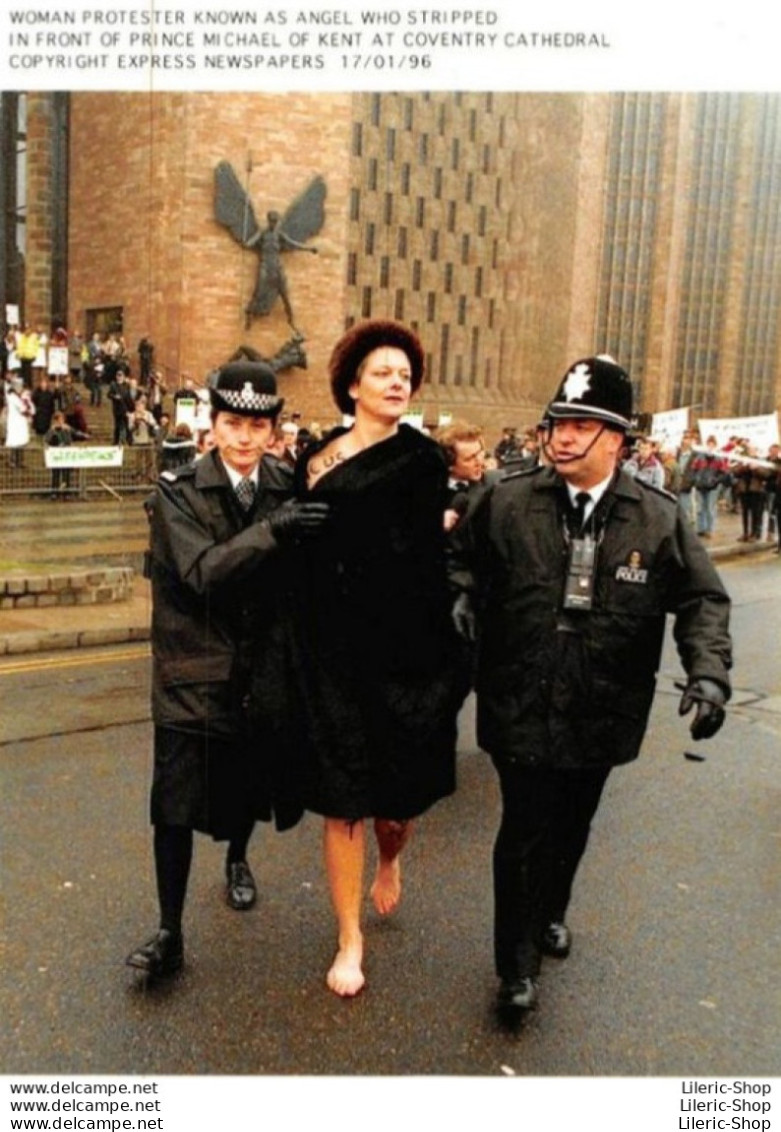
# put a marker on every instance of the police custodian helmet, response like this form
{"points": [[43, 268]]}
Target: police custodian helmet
{"points": [[247, 388], [595, 389]]}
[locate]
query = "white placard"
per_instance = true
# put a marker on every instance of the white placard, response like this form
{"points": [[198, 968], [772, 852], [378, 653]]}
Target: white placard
{"points": [[71, 456], [58, 361], [761, 431], [668, 427], [186, 409]]}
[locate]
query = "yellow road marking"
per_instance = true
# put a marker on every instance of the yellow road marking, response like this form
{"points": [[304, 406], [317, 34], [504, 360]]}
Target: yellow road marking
{"points": [[74, 659]]}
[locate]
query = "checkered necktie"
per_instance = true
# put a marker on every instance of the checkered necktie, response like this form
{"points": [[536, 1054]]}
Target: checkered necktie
{"points": [[245, 493]]}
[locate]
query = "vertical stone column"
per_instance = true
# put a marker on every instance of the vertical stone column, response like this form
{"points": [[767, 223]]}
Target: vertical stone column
{"points": [[38, 258], [669, 252]]}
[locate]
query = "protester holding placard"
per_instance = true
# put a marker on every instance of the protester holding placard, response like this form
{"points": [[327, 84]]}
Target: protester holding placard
{"points": [[61, 435]]}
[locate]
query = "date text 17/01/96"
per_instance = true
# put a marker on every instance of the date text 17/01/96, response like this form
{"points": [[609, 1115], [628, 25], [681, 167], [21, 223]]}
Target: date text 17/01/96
{"points": [[375, 62]]}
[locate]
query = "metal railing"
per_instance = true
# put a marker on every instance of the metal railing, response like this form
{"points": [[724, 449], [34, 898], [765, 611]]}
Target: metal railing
{"points": [[137, 473]]}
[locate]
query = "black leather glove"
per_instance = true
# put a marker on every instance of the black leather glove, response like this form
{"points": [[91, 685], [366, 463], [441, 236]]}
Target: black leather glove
{"points": [[709, 699], [294, 522], [464, 618]]}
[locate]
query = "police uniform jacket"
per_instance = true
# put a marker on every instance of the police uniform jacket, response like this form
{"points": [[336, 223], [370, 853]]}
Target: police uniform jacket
{"points": [[215, 588], [212, 579], [575, 688]]}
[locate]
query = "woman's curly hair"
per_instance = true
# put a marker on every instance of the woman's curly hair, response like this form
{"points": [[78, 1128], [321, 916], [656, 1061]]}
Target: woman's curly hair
{"points": [[357, 343]]}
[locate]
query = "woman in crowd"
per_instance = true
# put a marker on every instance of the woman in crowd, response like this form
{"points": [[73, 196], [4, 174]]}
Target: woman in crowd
{"points": [[19, 414], [142, 425], [176, 448], [373, 638]]}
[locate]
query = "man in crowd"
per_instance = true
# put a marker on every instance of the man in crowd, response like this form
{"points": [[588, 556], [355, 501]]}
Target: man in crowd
{"points": [[123, 403], [290, 453], [710, 473], [217, 528], [565, 573], [508, 446], [46, 399], [61, 435], [464, 449], [644, 464]]}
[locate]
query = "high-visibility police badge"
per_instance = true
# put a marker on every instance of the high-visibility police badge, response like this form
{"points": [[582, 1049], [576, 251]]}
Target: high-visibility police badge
{"points": [[633, 570]]}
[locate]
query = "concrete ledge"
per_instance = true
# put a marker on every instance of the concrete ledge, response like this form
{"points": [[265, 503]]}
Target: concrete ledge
{"points": [[80, 587], [20, 643], [739, 550]]}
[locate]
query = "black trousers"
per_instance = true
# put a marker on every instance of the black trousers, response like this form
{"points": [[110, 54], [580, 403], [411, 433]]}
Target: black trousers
{"points": [[752, 507], [546, 818]]}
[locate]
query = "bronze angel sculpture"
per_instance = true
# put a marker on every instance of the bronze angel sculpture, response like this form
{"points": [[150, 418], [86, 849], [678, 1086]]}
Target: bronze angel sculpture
{"points": [[302, 220]]}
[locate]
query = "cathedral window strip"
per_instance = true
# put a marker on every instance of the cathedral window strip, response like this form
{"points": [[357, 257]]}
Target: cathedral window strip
{"points": [[633, 190], [412, 153], [708, 251], [760, 349]]}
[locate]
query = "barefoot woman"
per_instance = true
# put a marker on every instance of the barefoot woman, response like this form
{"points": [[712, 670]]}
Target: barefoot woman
{"points": [[375, 641]]}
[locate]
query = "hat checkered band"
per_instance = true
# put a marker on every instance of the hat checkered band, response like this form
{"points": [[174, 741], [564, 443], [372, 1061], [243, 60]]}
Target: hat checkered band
{"points": [[247, 399]]}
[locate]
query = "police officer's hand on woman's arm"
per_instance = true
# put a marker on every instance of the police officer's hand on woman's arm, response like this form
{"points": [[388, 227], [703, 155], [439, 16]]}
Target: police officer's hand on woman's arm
{"points": [[295, 521], [709, 699]]}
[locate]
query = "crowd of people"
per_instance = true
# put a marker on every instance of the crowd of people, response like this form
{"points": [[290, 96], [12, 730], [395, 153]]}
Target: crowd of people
{"points": [[69, 372], [68, 375], [736, 477]]}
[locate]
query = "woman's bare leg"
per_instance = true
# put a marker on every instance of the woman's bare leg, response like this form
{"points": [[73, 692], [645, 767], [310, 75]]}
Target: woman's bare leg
{"points": [[391, 836], [344, 844]]}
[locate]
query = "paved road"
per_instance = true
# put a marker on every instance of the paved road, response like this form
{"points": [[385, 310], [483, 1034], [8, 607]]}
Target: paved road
{"points": [[676, 964]]}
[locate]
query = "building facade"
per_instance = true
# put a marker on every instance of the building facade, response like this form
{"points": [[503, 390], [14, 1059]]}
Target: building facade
{"points": [[515, 231]]}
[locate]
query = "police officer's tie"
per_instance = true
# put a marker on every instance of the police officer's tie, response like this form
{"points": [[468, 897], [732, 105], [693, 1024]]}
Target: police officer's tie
{"points": [[578, 513], [245, 493]]}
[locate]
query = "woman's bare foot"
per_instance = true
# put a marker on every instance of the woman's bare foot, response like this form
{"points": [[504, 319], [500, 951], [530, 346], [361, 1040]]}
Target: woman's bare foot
{"points": [[346, 977], [386, 889]]}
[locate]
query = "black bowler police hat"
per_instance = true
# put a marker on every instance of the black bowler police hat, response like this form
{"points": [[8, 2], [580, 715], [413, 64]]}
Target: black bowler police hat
{"points": [[247, 388], [595, 389]]}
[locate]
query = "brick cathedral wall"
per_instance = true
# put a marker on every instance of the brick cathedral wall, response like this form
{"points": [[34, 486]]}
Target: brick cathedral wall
{"points": [[143, 234]]}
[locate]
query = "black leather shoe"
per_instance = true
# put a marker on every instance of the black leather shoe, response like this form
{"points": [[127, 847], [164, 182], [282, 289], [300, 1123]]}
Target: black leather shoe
{"points": [[241, 892], [160, 956], [556, 940], [515, 999]]}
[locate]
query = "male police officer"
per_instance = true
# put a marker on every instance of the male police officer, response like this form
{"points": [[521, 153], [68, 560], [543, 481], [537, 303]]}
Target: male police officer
{"points": [[572, 568], [217, 526]]}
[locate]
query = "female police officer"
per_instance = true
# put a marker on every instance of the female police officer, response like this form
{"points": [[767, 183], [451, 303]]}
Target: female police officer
{"points": [[217, 525]]}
